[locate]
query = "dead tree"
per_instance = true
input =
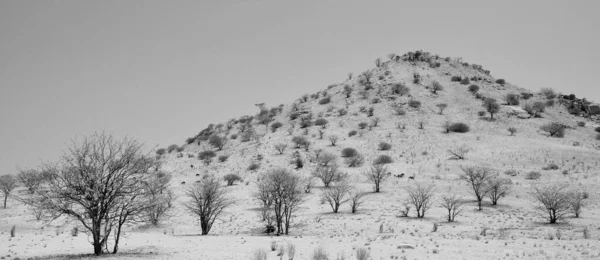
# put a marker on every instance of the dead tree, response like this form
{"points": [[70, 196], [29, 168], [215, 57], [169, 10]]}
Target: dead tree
{"points": [[478, 179], [208, 201], [336, 195], [420, 196], [453, 204], [7, 184]]}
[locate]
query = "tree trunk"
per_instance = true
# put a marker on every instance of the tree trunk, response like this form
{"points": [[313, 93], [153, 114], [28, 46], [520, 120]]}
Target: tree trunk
{"points": [[5, 198], [97, 248]]}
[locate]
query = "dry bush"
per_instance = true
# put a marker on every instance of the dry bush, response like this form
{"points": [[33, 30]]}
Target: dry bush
{"points": [[459, 128], [328, 174], [30, 179], [172, 148], [280, 147], [459, 152], [326, 159], [473, 88], [383, 159], [533, 175], [477, 178], [324, 101], [7, 184], [208, 201], [232, 178], [275, 126], [223, 158], [355, 161], [349, 152], [498, 188], [400, 89], [161, 151], [322, 122], [352, 133], [347, 91], [414, 103], [362, 253], [501, 81], [285, 191], [159, 198], [420, 196], [377, 174], [333, 139], [453, 204], [578, 201], [299, 141], [512, 99], [554, 129], [491, 106], [554, 201], [436, 86], [383, 146], [336, 195], [512, 130], [356, 199]]}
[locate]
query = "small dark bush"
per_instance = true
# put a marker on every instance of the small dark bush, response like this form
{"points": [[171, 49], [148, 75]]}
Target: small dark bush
{"points": [[533, 175], [172, 148], [456, 78], [414, 103], [597, 129], [550, 103], [275, 126], [554, 129], [223, 158], [362, 125], [352, 133], [551, 166], [375, 100], [512, 99], [355, 161], [161, 151], [232, 178], [481, 113], [322, 122], [459, 128], [526, 96], [383, 159], [474, 88], [233, 136], [253, 166], [501, 81], [581, 124], [190, 140], [324, 101], [349, 152], [342, 112], [384, 146], [294, 115], [465, 81]]}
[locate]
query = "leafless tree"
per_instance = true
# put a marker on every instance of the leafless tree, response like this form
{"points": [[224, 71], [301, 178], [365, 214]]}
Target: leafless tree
{"points": [[478, 179], [30, 178], [356, 199], [578, 201], [333, 139], [337, 195], [453, 204], [208, 201], [377, 174], [160, 197], [326, 159], [287, 194], [280, 147], [420, 196], [99, 182], [498, 188], [329, 174], [7, 184], [218, 141], [553, 200], [459, 152]]}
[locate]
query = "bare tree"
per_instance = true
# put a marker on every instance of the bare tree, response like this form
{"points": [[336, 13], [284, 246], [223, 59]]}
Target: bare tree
{"points": [[421, 196], [337, 195], [218, 141], [160, 197], [99, 182], [356, 199], [553, 200], [280, 147], [287, 194], [498, 188], [328, 174], [377, 174], [453, 204], [333, 139], [554, 129], [208, 201], [326, 159], [30, 178], [478, 179], [436, 86], [578, 201], [459, 152], [7, 184]]}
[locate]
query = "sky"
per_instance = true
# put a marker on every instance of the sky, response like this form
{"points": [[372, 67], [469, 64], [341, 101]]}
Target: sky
{"points": [[161, 71]]}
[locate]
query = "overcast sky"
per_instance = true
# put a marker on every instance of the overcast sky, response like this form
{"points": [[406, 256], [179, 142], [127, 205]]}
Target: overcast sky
{"points": [[161, 71]]}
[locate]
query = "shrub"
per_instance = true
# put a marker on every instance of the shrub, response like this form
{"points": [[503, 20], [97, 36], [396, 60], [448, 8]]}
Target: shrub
{"points": [[436, 86], [385, 146], [161, 151], [501, 81], [551, 166], [512, 130], [217, 141], [370, 111], [548, 93], [491, 106], [352, 133], [533, 175], [481, 113], [342, 112], [511, 172], [232, 178], [456, 78], [299, 141], [414, 103], [465, 81], [322, 122], [294, 115], [206, 155], [375, 100], [190, 140], [363, 125], [172, 148], [319, 254], [253, 166], [349, 152], [324, 101], [550, 103], [355, 161], [328, 174], [347, 91], [554, 129], [512, 99], [459, 128], [526, 95], [421, 197], [441, 107], [399, 111], [223, 158], [581, 124], [383, 159], [554, 200], [275, 126], [474, 88], [377, 174], [400, 88]]}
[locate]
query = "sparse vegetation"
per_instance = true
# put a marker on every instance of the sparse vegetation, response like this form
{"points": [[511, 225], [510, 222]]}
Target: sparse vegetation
{"points": [[377, 174], [383, 146], [554, 129], [512, 130], [232, 178], [337, 195], [478, 179], [453, 204], [459, 128], [441, 107], [328, 174], [352, 133], [400, 89], [421, 197], [553, 199], [491, 106], [473, 88], [436, 86], [7, 184], [414, 103], [383, 159]]}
